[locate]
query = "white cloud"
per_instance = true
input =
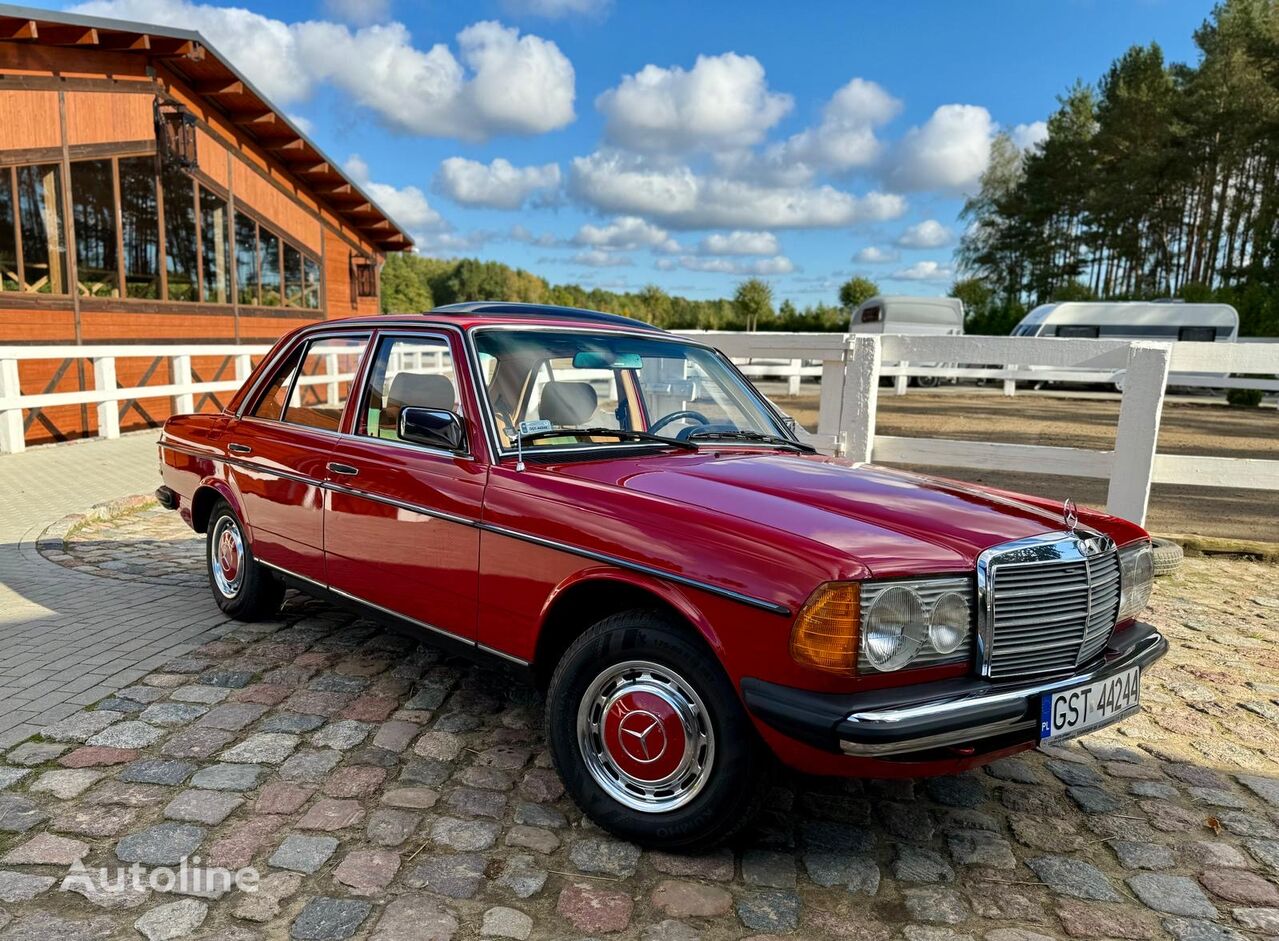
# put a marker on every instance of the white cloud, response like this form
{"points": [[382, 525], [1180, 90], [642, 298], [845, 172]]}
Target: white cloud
{"points": [[676, 196], [496, 185], [874, 255], [554, 9], [925, 271], [597, 258], [927, 234], [359, 12], [451, 243], [845, 138], [1028, 136], [521, 233], [739, 243], [498, 83], [722, 102], [779, 264], [303, 124], [626, 232], [949, 151], [408, 206]]}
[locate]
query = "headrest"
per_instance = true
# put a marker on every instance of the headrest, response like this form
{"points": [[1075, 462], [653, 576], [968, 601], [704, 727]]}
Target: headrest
{"points": [[420, 390], [567, 403]]}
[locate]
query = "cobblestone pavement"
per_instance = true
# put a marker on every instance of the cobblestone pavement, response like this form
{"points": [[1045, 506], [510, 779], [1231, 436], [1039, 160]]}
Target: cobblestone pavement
{"points": [[385, 792]]}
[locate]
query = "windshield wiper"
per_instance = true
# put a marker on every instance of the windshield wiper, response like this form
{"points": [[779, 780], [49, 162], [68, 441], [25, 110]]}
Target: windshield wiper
{"points": [[623, 434], [754, 436]]}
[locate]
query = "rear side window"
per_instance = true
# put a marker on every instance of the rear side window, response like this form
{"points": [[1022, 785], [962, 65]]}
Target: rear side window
{"points": [[324, 382], [271, 405]]}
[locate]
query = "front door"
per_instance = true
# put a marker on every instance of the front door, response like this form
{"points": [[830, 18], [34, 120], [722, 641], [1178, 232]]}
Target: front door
{"points": [[400, 528], [279, 451]]}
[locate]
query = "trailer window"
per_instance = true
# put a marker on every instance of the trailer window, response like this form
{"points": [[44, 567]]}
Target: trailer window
{"points": [[1077, 330], [871, 315], [1197, 334]]}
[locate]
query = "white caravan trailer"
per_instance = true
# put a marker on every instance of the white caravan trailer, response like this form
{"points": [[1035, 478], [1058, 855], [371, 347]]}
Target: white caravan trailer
{"points": [[1169, 321], [900, 313]]}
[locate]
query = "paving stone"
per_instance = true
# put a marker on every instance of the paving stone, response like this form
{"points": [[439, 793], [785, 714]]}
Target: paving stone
{"points": [[981, 848], [769, 910], [367, 872], [45, 849], [605, 856], [282, 797], [909, 822], [457, 876], [354, 782], [94, 821], [964, 790], [537, 815], [388, 826], [1094, 800], [174, 920], [331, 814], [1190, 929], [236, 847], [329, 919], [172, 714], [111, 894], [855, 873], [267, 748], [1014, 769], [303, 853], [1267, 788], [29, 754], [207, 807], [164, 844], [477, 802], [265, 904], [231, 679], [227, 777], [1172, 895], [65, 784], [1204, 854], [415, 917], [522, 876], [337, 683], [1085, 920], [1074, 773], [166, 771], [1243, 824], [442, 746], [717, 866], [534, 838], [1245, 888], [196, 743], [465, 835], [295, 723], [680, 899], [23, 887], [414, 798], [1156, 789], [1074, 877], [41, 926], [935, 904], [141, 694], [132, 733], [232, 716], [18, 814], [502, 922], [395, 735], [81, 726], [493, 779], [199, 693], [342, 735], [310, 765], [1264, 851], [836, 836], [427, 771], [594, 909], [1142, 855], [1258, 919], [915, 864]]}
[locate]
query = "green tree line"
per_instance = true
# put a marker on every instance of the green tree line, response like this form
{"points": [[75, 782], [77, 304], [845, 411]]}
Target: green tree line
{"points": [[1159, 180], [412, 283]]}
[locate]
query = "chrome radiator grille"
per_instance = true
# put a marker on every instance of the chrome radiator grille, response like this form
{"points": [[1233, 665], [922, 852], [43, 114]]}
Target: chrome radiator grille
{"points": [[1046, 604]]}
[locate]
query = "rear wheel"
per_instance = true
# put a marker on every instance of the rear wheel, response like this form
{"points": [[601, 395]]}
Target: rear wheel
{"points": [[242, 586], [649, 736]]}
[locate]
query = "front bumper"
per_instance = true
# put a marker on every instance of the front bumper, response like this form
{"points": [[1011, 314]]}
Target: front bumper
{"points": [[912, 721]]}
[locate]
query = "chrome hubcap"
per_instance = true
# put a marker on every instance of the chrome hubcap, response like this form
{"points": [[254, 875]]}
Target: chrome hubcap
{"points": [[645, 736], [226, 556]]}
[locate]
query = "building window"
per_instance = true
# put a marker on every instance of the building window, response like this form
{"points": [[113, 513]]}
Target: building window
{"points": [[365, 278], [246, 259], [44, 247], [269, 266], [292, 276], [93, 214], [175, 136], [9, 278], [216, 248], [179, 233], [140, 228], [311, 293]]}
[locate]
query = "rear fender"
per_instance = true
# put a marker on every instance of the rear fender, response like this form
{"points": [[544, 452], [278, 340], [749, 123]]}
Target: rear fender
{"points": [[209, 490]]}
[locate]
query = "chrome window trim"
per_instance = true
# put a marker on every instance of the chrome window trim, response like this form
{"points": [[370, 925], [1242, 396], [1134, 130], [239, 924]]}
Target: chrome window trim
{"points": [[1045, 547]]}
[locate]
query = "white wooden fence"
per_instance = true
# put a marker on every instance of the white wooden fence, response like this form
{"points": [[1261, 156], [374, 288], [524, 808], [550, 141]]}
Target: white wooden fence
{"points": [[850, 367]]}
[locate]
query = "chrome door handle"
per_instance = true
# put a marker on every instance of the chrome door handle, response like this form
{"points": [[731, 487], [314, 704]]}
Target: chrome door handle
{"points": [[345, 469], [235, 448]]}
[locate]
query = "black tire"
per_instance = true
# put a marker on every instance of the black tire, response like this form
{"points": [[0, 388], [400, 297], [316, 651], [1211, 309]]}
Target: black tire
{"points": [[731, 790], [258, 593], [1167, 556]]}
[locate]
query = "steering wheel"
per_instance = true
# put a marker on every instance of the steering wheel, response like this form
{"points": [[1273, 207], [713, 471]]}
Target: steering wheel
{"points": [[676, 416]]}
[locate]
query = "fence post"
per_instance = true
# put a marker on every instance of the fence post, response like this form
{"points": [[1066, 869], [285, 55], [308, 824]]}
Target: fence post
{"points": [[1137, 434], [109, 410], [183, 402], [830, 403], [861, 396], [900, 382], [792, 386], [243, 366], [331, 368], [12, 434]]}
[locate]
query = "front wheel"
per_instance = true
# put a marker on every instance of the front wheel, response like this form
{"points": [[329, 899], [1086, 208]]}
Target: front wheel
{"points": [[242, 586], [649, 736]]}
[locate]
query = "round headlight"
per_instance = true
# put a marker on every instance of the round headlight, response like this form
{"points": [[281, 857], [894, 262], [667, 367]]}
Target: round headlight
{"points": [[895, 627], [948, 624]]}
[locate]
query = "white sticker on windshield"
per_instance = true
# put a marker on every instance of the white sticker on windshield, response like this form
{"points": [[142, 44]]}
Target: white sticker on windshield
{"points": [[533, 427]]}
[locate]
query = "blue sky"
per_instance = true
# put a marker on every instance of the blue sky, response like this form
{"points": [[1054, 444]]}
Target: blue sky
{"points": [[684, 144]]}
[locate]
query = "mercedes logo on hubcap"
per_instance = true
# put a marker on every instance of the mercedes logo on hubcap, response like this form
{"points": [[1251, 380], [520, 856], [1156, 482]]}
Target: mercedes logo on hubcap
{"points": [[641, 736]]}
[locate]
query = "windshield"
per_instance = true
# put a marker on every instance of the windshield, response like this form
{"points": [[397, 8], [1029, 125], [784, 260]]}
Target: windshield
{"points": [[539, 382]]}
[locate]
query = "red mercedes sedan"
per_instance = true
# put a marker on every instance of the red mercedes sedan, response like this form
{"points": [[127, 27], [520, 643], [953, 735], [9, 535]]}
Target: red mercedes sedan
{"points": [[616, 511]]}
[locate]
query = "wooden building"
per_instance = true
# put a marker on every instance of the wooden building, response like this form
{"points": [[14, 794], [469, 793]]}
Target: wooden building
{"points": [[149, 194]]}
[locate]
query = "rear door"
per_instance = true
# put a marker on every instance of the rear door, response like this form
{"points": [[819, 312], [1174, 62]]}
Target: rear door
{"points": [[279, 450], [400, 524]]}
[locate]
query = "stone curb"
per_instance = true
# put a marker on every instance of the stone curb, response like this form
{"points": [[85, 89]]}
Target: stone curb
{"points": [[52, 542]]}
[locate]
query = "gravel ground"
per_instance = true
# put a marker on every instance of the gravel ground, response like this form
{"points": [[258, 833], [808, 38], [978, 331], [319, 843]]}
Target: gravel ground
{"points": [[386, 792]]}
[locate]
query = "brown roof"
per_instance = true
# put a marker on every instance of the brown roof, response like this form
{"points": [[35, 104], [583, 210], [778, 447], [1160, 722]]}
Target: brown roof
{"points": [[191, 58]]}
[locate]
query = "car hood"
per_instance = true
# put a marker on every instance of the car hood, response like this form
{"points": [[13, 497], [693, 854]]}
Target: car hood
{"points": [[889, 521]]}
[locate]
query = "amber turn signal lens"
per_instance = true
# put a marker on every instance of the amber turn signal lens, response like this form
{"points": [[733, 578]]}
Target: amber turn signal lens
{"points": [[825, 633]]}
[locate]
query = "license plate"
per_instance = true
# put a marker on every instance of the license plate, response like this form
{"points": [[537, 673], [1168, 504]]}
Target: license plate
{"points": [[1075, 711]]}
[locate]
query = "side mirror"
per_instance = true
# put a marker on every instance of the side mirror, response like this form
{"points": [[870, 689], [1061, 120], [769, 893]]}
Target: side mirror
{"points": [[433, 427]]}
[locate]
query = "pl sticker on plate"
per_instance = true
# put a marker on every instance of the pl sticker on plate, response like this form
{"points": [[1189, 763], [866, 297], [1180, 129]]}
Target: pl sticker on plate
{"points": [[533, 427]]}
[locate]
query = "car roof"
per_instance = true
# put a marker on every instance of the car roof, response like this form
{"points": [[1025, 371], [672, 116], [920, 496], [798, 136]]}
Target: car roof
{"points": [[490, 313]]}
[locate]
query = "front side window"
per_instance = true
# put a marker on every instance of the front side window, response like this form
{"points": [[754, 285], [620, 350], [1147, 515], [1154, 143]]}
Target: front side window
{"points": [[216, 248], [408, 372], [541, 382], [93, 212], [323, 382], [140, 227], [44, 247]]}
